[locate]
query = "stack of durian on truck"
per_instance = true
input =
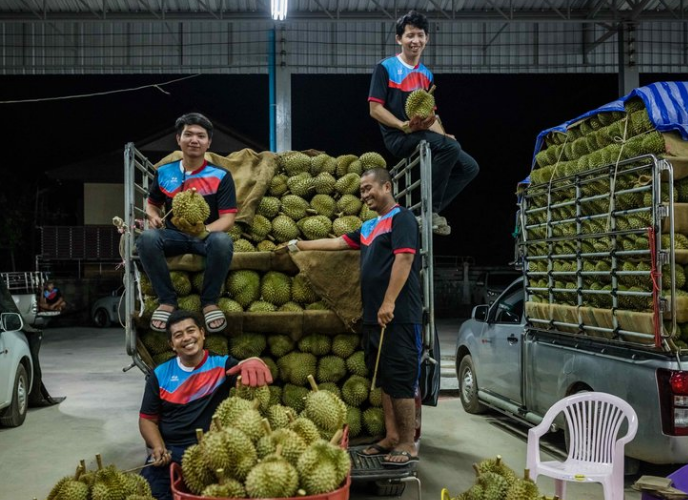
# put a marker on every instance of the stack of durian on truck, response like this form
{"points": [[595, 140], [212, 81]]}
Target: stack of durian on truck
{"points": [[604, 222], [299, 312]]}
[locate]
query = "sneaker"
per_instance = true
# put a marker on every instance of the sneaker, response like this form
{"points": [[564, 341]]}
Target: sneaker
{"points": [[444, 230], [438, 220]]}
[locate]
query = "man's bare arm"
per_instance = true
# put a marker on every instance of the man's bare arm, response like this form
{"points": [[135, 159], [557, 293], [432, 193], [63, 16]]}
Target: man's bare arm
{"points": [[324, 244]]}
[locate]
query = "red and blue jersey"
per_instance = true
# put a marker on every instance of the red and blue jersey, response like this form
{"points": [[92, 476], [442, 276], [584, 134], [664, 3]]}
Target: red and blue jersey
{"points": [[182, 399], [379, 240], [393, 80], [215, 184]]}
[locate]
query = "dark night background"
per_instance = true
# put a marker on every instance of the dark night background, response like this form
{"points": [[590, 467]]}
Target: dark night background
{"points": [[495, 117]]}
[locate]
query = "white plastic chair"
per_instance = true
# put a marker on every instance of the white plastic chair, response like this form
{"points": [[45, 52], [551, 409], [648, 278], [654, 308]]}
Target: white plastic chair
{"points": [[595, 454]]}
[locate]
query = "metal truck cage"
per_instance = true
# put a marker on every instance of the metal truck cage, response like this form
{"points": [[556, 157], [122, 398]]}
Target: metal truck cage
{"points": [[571, 223]]}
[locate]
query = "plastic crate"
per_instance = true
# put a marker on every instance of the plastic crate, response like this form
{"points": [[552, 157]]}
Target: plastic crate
{"points": [[180, 492], [680, 481]]}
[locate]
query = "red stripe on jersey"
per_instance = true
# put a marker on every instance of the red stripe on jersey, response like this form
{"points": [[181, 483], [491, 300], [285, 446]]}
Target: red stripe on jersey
{"points": [[405, 250], [375, 99], [228, 211], [351, 242], [205, 381], [203, 185], [145, 416], [382, 227], [413, 81]]}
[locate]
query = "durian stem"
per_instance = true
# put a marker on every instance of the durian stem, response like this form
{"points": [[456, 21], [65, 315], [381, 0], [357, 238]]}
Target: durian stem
{"points": [[311, 381], [266, 424], [432, 89], [526, 474], [498, 461], [337, 438], [199, 435], [238, 382], [477, 471], [221, 478], [217, 423], [301, 493], [99, 461], [79, 471], [82, 462], [278, 450]]}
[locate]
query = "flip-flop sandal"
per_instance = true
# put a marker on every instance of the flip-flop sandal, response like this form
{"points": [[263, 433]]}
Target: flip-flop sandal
{"points": [[161, 316], [379, 450], [215, 315], [410, 459]]}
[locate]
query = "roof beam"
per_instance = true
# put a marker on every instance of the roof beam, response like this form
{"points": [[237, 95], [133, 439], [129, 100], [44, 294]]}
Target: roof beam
{"points": [[35, 12], [554, 8], [440, 9], [88, 7], [208, 10], [501, 13], [379, 7], [317, 2], [611, 31]]}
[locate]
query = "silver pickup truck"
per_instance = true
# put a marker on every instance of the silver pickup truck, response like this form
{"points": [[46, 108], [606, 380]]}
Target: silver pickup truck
{"points": [[26, 288]]}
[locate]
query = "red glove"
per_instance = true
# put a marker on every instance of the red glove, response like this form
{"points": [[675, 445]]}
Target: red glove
{"points": [[253, 371]]}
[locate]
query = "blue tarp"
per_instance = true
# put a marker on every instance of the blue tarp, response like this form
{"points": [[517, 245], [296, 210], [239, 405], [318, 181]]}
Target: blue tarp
{"points": [[666, 103]]}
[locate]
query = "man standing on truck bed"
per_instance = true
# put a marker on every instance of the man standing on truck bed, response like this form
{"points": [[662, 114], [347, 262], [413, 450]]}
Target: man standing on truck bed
{"points": [[393, 80], [215, 184], [391, 295], [182, 394]]}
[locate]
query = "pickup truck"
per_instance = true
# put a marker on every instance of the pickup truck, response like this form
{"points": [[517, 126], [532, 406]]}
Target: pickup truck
{"points": [[26, 288]]}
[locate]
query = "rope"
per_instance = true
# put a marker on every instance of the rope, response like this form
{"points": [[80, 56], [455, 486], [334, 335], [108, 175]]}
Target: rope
{"points": [[655, 274]]}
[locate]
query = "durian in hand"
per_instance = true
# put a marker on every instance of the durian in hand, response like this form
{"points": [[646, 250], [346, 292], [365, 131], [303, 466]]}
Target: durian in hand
{"points": [[189, 212], [420, 103]]}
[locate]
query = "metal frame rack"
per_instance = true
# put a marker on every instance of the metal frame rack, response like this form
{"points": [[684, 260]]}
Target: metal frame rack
{"points": [[570, 222]]}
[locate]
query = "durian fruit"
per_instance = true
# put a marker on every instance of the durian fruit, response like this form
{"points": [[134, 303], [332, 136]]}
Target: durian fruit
{"points": [[301, 291], [291, 443], [301, 184], [135, 485], [280, 345], [305, 428], [261, 306], [355, 167], [235, 232], [163, 357], [349, 204], [273, 477], [230, 448], [355, 390], [523, 489], [317, 306], [226, 487], [294, 207], [279, 416], [70, 487], [345, 224], [323, 466], [107, 482], [275, 288], [330, 386], [189, 212], [331, 369], [356, 364], [316, 344], [278, 185], [343, 163], [259, 228], [294, 162], [324, 183], [353, 420], [180, 282], [365, 214], [295, 368], [266, 246], [315, 227], [243, 286], [348, 184], [155, 342], [344, 345], [420, 103], [260, 394], [284, 228], [325, 409], [497, 466], [190, 303], [373, 420], [275, 390], [242, 245], [217, 344], [372, 160], [269, 206], [290, 306], [247, 345], [294, 396], [323, 163], [250, 422], [375, 397], [228, 305], [230, 409], [146, 285], [324, 204]]}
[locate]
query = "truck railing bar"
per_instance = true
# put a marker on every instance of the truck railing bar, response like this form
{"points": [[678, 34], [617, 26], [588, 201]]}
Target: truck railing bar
{"points": [[613, 331]]}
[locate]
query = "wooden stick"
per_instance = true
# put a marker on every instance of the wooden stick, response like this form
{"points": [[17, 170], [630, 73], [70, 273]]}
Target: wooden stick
{"points": [[377, 359]]}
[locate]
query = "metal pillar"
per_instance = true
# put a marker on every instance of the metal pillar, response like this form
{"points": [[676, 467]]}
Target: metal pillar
{"points": [[628, 69], [283, 96]]}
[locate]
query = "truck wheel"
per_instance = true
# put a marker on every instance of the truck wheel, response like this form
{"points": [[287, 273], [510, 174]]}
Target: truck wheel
{"points": [[101, 318], [15, 413], [468, 386], [390, 488]]}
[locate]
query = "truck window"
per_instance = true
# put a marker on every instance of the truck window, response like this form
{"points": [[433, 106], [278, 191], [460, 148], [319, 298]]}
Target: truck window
{"points": [[510, 307]]}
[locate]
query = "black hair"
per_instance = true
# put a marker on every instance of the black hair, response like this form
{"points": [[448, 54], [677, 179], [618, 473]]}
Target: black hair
{"points": [[178, 316], [194, 119], [381, 175], [413, 18]]}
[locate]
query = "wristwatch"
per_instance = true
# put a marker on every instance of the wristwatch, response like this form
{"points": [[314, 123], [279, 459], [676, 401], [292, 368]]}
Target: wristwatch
{"points": [[291, 245]]}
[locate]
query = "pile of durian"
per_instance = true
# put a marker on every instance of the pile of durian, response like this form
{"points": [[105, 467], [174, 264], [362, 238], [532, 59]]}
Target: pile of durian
{"points": [[336, 362], [555, 242], [105, 483], [496, 481], [257, 448]]}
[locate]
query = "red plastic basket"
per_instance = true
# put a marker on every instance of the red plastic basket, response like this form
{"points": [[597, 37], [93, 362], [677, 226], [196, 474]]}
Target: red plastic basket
{"points": [[181, 492]]}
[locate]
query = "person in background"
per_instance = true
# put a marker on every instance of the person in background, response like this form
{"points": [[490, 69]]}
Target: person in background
{"points": [[51, 298]]}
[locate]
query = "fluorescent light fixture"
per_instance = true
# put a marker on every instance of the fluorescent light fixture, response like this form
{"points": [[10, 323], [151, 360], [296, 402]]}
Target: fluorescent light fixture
{"points": [[279, 9]]}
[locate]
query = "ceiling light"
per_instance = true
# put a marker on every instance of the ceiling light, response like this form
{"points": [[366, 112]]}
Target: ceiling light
{"points": [[279, 9]]}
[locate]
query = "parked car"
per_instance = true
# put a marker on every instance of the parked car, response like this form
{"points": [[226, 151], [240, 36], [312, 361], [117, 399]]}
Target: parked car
{"points": [[491, 284], [109, 310], [16, 370]]}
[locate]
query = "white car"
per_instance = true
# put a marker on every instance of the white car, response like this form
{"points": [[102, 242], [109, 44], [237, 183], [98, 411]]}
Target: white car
{"points": [[108, 311], [16, 370]]}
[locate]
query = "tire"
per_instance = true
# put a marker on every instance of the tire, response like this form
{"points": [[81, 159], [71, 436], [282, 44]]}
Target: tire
{"points": [[101, 318], [389, 488], [468, 387], [15, 414]]}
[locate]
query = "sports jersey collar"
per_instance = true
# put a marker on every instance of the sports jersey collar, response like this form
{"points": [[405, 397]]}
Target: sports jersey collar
{"points": [[401, 60], [190, 368], [183, 171], [388, 211]]}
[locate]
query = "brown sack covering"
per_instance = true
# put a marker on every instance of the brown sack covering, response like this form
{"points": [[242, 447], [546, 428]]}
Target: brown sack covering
{"points": [[252, 173]]}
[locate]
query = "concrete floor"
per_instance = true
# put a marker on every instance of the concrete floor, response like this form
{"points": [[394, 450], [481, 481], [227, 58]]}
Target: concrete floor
{"points": [[100, 415]]}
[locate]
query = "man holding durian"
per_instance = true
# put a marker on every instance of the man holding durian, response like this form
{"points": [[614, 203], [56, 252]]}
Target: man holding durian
{"points": [[401, 100], [199, 200], [182, 394]]}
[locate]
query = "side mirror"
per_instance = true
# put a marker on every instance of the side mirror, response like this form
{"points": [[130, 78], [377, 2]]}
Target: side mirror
{"points": [[480, 313], [11, 321]]}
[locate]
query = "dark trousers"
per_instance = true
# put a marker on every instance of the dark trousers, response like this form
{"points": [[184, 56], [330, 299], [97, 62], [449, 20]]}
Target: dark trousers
{"points": [[452, 167], [159, 477], [154, 245]]}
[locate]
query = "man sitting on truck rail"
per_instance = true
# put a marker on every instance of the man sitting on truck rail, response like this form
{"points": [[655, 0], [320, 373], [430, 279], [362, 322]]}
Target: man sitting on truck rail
{"points": [[391, 296], [393, 80], [194, 135], [182, 394]]}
